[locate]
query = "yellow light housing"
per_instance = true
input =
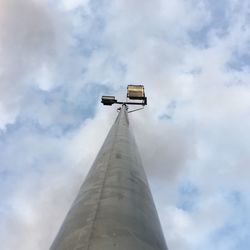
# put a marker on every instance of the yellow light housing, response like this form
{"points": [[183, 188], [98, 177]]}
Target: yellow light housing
{"points": [[136, 92]]}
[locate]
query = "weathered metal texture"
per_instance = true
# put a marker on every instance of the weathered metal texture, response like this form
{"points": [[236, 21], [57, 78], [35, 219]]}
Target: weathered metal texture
{"points": [[114, 209]]}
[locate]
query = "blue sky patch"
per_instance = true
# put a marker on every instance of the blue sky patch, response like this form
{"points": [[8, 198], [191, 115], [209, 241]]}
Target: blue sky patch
{"points": [[67, 112], [170, 111], [239, 62], [188, 196]]}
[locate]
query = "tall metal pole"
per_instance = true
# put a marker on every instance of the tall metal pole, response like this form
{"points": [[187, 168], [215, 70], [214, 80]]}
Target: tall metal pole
{"points": [[114, 209]]}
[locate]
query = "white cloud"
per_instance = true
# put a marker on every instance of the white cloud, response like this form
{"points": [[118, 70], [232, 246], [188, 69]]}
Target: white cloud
{"points": [[73, 4]]}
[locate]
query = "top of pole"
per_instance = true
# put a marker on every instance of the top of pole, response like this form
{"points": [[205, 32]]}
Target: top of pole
{"points": [[134, 92]]}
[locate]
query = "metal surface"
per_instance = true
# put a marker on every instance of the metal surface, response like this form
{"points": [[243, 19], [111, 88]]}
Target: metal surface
{"points": [[108, 100], [114, 209], [136, 92]]}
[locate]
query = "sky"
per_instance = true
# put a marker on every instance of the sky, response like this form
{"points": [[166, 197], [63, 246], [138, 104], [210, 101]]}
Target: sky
{"points": [[58, 57]]}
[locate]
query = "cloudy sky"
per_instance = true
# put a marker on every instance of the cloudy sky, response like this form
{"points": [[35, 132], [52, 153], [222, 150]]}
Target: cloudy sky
{"points": [[57, 57]]}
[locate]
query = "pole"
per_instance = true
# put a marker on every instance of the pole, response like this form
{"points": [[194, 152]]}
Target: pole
{"points": [[114, 209]]}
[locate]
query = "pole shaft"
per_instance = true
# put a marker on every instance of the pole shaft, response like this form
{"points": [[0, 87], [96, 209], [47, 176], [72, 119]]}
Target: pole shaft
{"points": [[114, 208]]}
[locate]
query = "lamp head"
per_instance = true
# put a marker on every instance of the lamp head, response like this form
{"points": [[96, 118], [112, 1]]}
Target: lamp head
{"points": [[108, 100]]}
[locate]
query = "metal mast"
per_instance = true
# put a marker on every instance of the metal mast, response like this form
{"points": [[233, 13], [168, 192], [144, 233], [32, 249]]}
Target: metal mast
{"points": [[114, 209]]}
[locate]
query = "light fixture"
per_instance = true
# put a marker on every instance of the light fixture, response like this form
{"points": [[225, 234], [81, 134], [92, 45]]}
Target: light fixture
{"points": [[108, 100], [134, 92]]}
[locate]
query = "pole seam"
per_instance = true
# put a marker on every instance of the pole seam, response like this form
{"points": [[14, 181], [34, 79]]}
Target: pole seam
{"points": [[102, 187]]}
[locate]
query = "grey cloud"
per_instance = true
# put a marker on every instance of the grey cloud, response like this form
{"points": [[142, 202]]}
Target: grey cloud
{"points": [[31, 35]]}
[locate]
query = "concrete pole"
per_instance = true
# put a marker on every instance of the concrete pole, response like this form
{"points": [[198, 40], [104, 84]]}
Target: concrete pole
{"points": [[114, 209]]}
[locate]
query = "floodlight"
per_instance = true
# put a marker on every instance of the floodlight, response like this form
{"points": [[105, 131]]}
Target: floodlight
{"points": [[136, 92], [108, 100]]}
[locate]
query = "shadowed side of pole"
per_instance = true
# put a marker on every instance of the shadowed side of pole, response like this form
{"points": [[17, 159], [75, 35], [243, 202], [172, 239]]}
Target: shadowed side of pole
{"points": [[114, 208]]}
